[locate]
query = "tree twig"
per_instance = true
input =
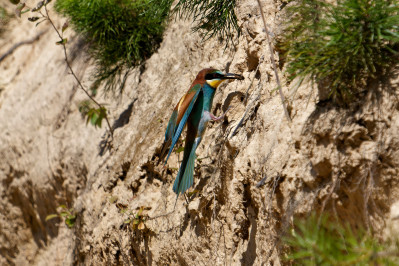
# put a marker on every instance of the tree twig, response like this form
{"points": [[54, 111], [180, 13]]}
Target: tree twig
{"points": [[73, 73], [274, 64], [247, 110]]}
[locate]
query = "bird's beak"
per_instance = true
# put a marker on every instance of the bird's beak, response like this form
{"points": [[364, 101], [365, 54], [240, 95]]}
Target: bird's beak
{"points": [[232, 76]]}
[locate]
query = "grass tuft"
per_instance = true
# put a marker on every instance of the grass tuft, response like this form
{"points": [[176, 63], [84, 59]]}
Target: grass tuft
{"points": [[341, 46], [122, 33], [326, 242]]}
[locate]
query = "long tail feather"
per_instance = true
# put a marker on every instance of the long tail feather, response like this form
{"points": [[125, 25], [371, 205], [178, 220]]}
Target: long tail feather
{"points": [[188, 177], [185, 176]]}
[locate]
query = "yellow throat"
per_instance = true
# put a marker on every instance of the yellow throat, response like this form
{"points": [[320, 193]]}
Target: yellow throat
{"points": [[214, 82]]}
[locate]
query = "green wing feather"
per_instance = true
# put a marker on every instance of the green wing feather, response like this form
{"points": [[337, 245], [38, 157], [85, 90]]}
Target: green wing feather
{"points": [[177, 129]]}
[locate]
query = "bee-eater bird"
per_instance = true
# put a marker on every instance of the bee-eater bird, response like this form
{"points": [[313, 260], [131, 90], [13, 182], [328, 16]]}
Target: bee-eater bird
{"points": [[193, 109]]}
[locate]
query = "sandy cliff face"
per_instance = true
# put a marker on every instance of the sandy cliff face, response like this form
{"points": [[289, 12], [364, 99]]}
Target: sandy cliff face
{"points": [[338, 160]]}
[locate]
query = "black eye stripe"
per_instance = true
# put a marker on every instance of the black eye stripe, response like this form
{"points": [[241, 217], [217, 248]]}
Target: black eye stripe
{"points": [[211, 76]]}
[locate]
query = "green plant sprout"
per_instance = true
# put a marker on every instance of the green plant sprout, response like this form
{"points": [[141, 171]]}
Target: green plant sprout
{"points": [[179, 150], [93, 115], [68, 215], [135, 220]]}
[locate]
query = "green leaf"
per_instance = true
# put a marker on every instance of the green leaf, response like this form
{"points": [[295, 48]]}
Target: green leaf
{"points": [[65, 26], [179, 150], [71, 217], [70, 221], [95, 116], [40, 22], [84, 107], [25, 11], [91, 112], [18, 9], [51, 216], [33, 19], [93, 119], [38, 6], [62, 42]]}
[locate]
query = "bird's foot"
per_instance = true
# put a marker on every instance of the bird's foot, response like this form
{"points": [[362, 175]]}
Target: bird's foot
{"points": [[218, 118]]}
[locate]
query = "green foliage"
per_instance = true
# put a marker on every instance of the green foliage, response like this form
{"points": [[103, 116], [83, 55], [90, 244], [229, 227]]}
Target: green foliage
{"points": [[135, 220], [326, 242], [19, 9], [93, 115], [67, 214], [179, 150], [341, 46], [3, 15], [121, 33], [215, 18], [4, 18]]}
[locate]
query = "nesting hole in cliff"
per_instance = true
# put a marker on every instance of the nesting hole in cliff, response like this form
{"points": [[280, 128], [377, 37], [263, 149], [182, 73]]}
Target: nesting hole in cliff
{"points": [[125, 169], [322, 169], [322, 140], [252, 61], [297, 145], [255, 112], [257, 75], [151, 172]]}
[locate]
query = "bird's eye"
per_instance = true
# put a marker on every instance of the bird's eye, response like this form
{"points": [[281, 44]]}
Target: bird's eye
{"points": [[211, 76]]}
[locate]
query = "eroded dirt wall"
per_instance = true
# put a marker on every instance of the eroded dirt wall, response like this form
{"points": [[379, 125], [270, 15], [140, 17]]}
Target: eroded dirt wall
{"points": [[341, 161]]}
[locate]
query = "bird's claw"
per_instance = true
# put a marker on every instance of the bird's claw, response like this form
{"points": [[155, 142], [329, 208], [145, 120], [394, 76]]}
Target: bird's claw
{"points": [[216, 119]]}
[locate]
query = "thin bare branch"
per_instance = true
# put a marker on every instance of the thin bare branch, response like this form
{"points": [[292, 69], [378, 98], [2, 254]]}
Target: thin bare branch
{"points": [[274, 64], [73, 73]]}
